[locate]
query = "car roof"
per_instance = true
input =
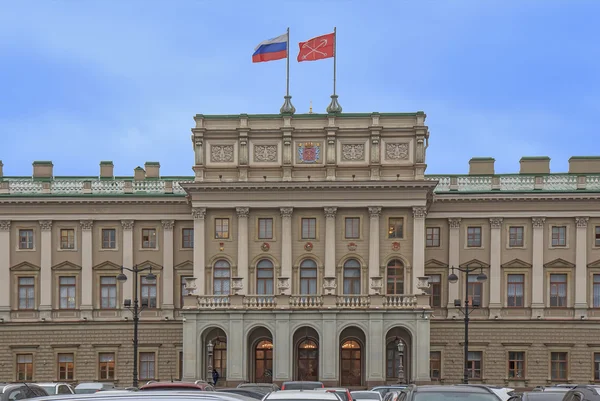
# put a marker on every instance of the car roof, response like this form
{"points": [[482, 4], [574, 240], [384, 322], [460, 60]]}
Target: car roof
{"points": [[158, 394], [302, 394], [474, 389]]}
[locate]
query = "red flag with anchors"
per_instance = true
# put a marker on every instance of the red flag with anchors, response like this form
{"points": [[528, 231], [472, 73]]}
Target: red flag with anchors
{"points": [[317, 48]]}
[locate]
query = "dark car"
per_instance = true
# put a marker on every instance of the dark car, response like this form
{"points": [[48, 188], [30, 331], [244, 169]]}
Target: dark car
{"points": [[583, 393], [244, 391], [383, 390], [20, 391], [547, 395], [264, 388], [299, 385], [446, 393]]}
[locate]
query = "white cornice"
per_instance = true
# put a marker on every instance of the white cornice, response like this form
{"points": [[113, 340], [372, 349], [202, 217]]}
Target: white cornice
{"points": [[303, 204], [515, 197], [305, 185], [510, 214], [120, 200], [96, 217]]}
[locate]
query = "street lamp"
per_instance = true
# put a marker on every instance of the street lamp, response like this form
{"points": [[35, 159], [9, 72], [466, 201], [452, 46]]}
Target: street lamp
{"points": [[453, 278], [400, 345], [210, 347], [135, 310]]}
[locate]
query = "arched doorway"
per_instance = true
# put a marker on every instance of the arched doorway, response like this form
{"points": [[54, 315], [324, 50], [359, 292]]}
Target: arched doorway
{"points": [[218, 339], [352, 340], [306, 354], [398, 358], [261, 355]]}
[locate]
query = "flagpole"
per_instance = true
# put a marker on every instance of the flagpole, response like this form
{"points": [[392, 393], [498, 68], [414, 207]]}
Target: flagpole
{"points": [[287, 107], [334, 56], [334, 107]]}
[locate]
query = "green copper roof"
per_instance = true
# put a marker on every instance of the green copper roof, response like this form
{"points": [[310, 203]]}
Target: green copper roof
{"points": [[304, 115]]}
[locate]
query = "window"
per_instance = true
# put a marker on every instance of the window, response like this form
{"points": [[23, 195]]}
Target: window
{"points": [[25, 239], [515, 237], [66, 367], [26, 293], [221, 276], [352, 277], [149, 238], [474, 237], [309, 228], [67, 288], [265, 228], [106, 365], [516, 365], [264, 277], [148, 290], [395, 277], [558, 290], [221, 228], [147, 365], [67, 238], [559, 363], [597, 236], [474, 364], [24, 367], [396, 227], [559, 236], [182, 290], [392, 359], [435, 365], [352, 227], [109, 238], [432, 237], [187, 238], [515, 286], [596, 366], [475, 290], [435, 282], [308, 277], [596, 291], [108, 292]]}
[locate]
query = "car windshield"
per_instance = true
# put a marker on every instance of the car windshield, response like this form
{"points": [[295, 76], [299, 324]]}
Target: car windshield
{"points": [[51, 390], [259, 389], [86, 390], [303, 385], [546, 396], [365, 395], [453, 396]]}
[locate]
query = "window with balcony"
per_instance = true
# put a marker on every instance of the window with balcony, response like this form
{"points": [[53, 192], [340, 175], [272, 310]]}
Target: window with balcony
{"points": [[67, 238], [309, 228], [558, 290], [24, 367], [67, 292], [109, 238], [516, 236], [264, 277], [221, 277], [149, 238], [474, 237], [222, 228], [395, 277], [187, 238], [26, 293], [396, 227], [147, 366], [66, 367], [559, 366], [265, 228], [559, 236], [352, 227], [515, 288], [435, 365], [516, 365], [26, 239], [474, 364], [475, 290], [106, 366], [435, 282], [108, 292], [432, 237], [351, 277], [308, 277]]}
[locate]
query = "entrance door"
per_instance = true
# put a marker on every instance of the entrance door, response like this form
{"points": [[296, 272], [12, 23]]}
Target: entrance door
{"points": [[351, 364], [263, 362], [308, 361]]}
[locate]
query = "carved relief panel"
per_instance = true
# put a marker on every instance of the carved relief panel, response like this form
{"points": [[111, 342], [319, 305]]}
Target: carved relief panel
{"points": [[265, 152], [222, 153], [353, 151], [397, 151], [309, 152]]}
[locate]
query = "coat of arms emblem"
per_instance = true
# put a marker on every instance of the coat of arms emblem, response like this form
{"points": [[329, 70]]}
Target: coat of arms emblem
{"points": [[309, 152]]}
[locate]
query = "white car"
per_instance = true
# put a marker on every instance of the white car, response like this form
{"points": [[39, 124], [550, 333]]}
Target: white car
{"points": [[57, 388], [366, 395], [302, 395]]}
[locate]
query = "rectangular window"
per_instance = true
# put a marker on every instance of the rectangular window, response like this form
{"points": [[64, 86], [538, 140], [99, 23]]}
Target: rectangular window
{"points": [[596, 291], [147, 365], [66, 367], [106, 365], [149, 238], [67, 238], [596, 366], [221, 228], [515, 287], [475, 290], [396, 227], [187, 238], [558, 290], [515, 237], [24, 367], [432, 237], [559, 236], [67, 289], [559, 366], [516, 365], [597, 236], [25, 239], [435, 281], [474, 364], [109, 238], [474, 237], [435, 365], [26, 293], [148, 290], [108, 292], [352, 227], [265, 228], [309, 228], [182, 290]]}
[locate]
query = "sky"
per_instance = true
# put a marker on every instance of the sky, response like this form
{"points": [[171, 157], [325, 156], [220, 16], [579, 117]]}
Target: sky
{"points": [[120, 80]]}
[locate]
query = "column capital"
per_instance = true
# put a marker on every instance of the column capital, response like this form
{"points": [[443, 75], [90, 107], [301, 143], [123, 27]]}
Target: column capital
{"points": [[86, 225], [127, 224], [582, 222], [168, 224], [4, 225], [46, 225], [242, 211], [538, 222], [496, 222], [419, 212], [454, 222], [286, 211], [330, 212], [374, 211], [199, 213]]}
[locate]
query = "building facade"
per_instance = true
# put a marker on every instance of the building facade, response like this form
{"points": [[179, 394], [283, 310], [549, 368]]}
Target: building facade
{"points": [[308, 247]]}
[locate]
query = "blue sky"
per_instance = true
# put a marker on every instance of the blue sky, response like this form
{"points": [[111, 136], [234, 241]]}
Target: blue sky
{"points": [[84, 81]]}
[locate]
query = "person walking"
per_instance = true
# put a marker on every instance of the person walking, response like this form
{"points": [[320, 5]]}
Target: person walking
{"points": [[215, 376]]}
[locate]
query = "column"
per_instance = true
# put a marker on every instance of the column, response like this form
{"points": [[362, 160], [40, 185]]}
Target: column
{"points": [[537, 273], [5, 270], [418, 267], [375, 354], [581, 303], [128, 257], [453, 260], [199, 214], [283, 351], [495, 278], [374, 214], [242, 254], [237, 354], [286, 244], [192, 354], [168, 280], [330, 213], [46, 269], [87, 280]]}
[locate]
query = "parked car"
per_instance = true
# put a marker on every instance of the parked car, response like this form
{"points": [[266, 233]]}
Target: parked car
{"points": [[300, 385], [243, 391], [538, 396], [501, 392], [366, 395], [57, 388], [301, 395], [168, 395], [260, 387], [447, 393], [93, 387], [343, 393], [383, 390], [198, 385], [583, 393], [20, 391]]}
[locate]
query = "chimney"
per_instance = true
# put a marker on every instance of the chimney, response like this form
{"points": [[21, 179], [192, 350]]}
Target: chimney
{"points": [[107, 169], [43, 169], [139, 174], [535, 165], [152, 169], [481, 166], [577, 165], [1, 169]]}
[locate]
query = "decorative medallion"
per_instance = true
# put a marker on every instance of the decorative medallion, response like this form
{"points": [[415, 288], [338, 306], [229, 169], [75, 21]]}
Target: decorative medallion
{"points": [[309, 152], [265, 153], [221, 246], [396, 151], [353, 152], [265, 246], [395, 246], [352, 246], [308, 246], [221, 153]]}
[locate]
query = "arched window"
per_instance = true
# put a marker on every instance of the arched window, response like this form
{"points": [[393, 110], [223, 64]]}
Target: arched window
{"points": [[308, 277], [264, 277], [395, 277], [352, 277], [221, 277], [308, 360]]}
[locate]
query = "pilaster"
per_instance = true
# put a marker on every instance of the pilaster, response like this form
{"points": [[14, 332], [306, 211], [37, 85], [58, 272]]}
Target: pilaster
{"points": [[5, 270], [199, 214], [453, 260], [537, 274], [87, 262], [46, 270], [374, 217], [237, 354], [286, 244], [192, 354], [329, 350], [167, 273], [418, 267], [581, 302], [495, 271], [375, 355], [128, 257], [330, 213], [283, 348], [242, 254]]}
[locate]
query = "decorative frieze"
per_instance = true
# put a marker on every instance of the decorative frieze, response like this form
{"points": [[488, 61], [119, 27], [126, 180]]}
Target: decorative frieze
{"points": [[286, 212], [86, 225], [242, 212], [582, 222], [454, 222], [496, 222], [353, 152], [168, 224], [419, 212], [265, 153], [127, 224], [199, 213], [374, 211], [396, 151], [330, 212], [538, 222], [46, 225], [4, 225], [221, 153]]}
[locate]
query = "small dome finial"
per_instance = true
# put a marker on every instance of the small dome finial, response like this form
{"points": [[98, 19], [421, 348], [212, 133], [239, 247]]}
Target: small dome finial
{"points": [[310, 108]]}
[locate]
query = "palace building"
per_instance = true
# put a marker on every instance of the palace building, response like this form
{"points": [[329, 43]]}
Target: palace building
{"points": [[304, 247]]}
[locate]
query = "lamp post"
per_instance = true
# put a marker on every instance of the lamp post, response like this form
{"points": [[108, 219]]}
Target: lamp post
{"points": [[210, 347], [400, 346], [453, 278], [135, 309]]}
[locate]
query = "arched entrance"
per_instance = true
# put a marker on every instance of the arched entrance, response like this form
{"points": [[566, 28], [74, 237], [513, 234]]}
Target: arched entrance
{"points": [[398, 350], [261, 355], [352, 340], [306, 354], [218, 340]]}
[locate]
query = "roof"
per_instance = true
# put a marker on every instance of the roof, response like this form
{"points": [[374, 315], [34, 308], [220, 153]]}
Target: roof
{"points": [[302, 394], [304, 115], [458, 389]]}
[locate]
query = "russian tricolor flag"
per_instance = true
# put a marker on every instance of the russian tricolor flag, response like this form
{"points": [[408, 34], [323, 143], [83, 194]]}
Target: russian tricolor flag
{"points": [[272, 49]]}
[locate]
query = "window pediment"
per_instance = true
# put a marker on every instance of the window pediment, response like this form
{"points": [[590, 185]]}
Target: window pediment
{"points": [[595, 264], [66, 266], [475, 263], [559, 263], [187, 265], [517, 263], [433, 263], [107, 266], [148, 263], [25, 267]]}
